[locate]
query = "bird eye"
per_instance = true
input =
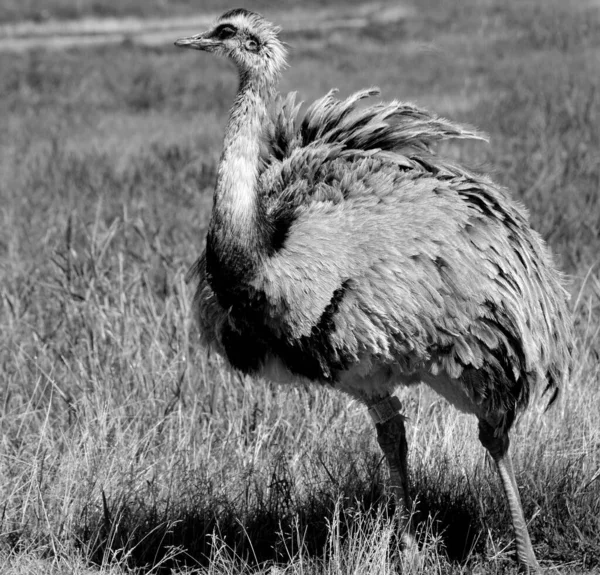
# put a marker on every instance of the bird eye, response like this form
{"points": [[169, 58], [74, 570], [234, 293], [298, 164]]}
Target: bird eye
{"points": [[224, 32], [252, 45]]}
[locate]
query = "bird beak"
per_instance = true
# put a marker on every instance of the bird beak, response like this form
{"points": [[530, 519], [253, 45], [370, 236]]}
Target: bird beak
{"points": [[197, 42]]}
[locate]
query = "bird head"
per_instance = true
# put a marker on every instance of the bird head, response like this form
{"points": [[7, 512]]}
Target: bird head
{"points": [[247, 39]]}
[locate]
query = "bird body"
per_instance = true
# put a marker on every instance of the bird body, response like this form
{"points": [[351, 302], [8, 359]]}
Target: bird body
{"points": [[342, 250], [390, 263]]}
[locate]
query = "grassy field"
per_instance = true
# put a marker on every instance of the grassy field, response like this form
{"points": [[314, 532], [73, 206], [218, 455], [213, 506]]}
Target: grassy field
{"points": [[125, 448]]}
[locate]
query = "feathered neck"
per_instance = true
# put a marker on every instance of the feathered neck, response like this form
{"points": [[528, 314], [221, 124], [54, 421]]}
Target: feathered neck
{"points": [[237, 234]]}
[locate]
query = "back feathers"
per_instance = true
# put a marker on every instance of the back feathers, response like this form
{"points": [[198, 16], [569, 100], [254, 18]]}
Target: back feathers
{"points": [[385, 127]]}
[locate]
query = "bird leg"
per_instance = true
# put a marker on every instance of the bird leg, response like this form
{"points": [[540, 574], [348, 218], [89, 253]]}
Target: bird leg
{"points": [[391, 437], [497, 446]]}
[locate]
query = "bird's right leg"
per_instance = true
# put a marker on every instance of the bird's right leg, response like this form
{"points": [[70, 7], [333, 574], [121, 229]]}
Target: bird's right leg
{"points": [[391, 436]]}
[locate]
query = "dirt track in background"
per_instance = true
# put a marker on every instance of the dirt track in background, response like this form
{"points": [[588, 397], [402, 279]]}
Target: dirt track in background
{"points": [[152, 32]]}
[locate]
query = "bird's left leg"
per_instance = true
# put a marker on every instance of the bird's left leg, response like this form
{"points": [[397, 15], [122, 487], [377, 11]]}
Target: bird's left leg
{"points": [[391, 436], [497, 446]]}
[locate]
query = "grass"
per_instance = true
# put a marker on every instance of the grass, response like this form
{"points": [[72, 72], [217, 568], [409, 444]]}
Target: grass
{"points": [[125, 448]]}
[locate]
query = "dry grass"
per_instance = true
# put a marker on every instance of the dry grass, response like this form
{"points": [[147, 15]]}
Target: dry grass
{"points": [[124, 447]]}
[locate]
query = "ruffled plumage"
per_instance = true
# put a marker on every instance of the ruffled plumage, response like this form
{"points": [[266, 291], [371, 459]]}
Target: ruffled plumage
{"points": [[438, 268]]}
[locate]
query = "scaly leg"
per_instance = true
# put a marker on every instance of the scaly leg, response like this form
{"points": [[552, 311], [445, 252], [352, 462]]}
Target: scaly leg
{"points": [[498, 449], [391, 437]]}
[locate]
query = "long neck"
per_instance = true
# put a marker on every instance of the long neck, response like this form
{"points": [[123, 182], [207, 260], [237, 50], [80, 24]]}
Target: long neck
{"points": [[236, 236]]}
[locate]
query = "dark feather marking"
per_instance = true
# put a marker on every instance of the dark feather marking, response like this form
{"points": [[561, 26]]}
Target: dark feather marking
{"points": [[523, 262], [245, 351], [479, 201], [312, 356], [509, 280], [552, 384], [508, 356], [280, 144], [224, 31], [280, 228], [227, 281], [440, 263], [326, 320]]}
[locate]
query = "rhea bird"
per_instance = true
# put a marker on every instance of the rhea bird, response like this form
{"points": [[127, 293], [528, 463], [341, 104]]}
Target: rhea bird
{"points": [[344, 251]]}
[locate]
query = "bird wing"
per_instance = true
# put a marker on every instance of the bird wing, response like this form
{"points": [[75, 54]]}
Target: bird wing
{"points": [[370, 238], [335, 161], [397, 266]]}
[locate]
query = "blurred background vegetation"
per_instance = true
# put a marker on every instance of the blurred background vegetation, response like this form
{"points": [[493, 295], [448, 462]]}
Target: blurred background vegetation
{"points": [[18, 10]]}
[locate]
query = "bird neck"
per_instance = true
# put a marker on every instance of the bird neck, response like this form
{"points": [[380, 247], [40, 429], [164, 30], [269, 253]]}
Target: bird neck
{"points": [[236, 238]]}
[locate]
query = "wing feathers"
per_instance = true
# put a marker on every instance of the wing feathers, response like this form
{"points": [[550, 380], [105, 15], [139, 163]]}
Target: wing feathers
{"points": [[387, 127]]}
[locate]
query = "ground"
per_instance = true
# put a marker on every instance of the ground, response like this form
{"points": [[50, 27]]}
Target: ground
{"points": [[126, 447]]}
